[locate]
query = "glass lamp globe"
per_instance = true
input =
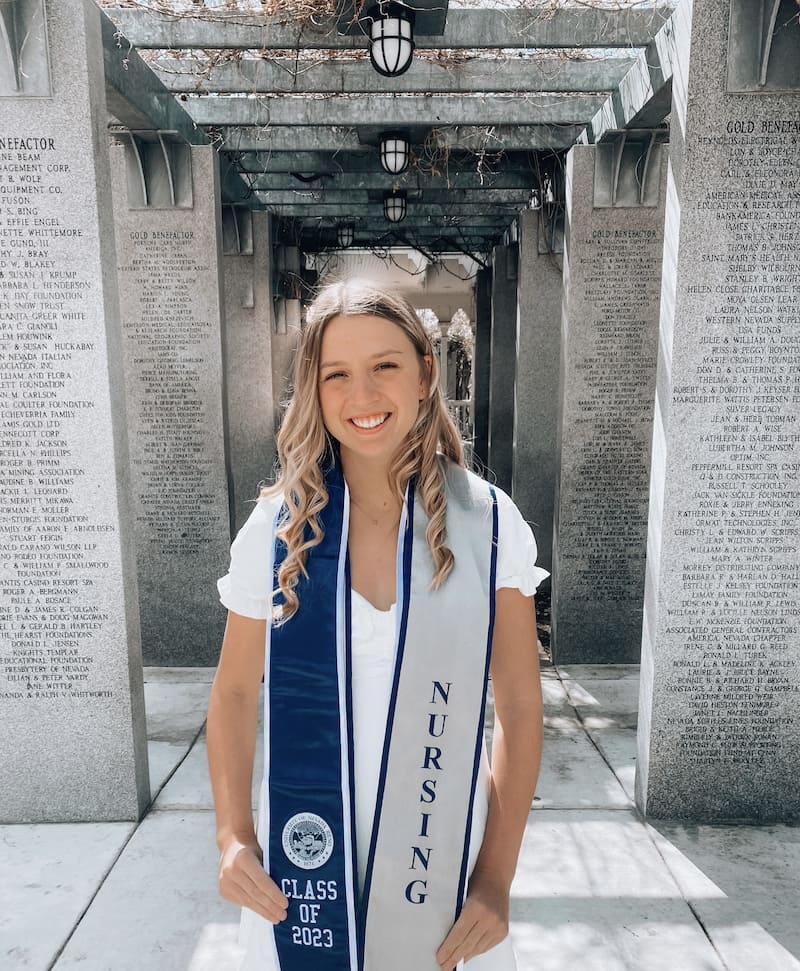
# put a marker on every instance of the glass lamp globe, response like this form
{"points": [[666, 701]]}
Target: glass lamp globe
{"points": [[395, 150], [395, 205], [391, 48], [345, 235]]}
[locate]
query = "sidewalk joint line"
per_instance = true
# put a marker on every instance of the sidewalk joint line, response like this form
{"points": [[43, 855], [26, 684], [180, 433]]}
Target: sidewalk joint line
{"points": [[597, 748]]}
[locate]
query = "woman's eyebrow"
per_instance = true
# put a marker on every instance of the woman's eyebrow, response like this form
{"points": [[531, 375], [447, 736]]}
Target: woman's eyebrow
{"points": [[372, 357]]}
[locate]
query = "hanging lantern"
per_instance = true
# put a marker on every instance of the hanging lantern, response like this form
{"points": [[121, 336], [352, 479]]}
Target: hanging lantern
{"points": [[391, 34], [395, 151], [345, 235], [395, 204]]}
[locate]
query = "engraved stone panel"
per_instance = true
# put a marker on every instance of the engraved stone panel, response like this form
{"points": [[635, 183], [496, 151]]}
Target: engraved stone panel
{"points": [[612, 274], [169, 272], [72, 731], [720, 693]]}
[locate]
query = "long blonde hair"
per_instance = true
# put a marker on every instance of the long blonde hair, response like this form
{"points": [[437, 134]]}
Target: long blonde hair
{"points": [[304, 443]]}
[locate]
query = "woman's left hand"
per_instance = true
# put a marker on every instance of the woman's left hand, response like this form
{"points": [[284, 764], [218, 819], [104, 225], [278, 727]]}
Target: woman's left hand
{"points": [[481, 925]]}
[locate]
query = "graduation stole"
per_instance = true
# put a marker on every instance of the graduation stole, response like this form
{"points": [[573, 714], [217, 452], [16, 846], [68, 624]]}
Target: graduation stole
{"points": [[417, 865]]}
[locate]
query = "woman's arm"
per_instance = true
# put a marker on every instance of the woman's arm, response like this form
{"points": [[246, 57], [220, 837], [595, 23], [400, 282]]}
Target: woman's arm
{"points": [[516, 755], [231, 736]]}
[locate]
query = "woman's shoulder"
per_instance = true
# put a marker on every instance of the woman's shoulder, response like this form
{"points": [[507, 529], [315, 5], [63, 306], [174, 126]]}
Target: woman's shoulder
{"points": [[466, 483], [264, 510]]}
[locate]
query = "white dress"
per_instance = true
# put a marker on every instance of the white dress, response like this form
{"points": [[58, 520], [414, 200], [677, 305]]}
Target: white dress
{"points": [[245, 590]]}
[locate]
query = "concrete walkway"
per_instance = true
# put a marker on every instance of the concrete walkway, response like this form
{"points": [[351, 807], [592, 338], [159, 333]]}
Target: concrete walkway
{"points": [[597, 889]]}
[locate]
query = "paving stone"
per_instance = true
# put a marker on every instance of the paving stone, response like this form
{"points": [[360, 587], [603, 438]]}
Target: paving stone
{"points": [[743, 883], [592, 892], [574, 776], [175, 712], [173, 919], [162, 758], [190, 787], [48, 875]]}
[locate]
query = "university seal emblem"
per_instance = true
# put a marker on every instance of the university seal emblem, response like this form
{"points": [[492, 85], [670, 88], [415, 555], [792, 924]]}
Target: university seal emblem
{"points": [[307, 841]]}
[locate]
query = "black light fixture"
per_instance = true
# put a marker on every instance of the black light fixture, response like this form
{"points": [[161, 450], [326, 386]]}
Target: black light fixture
{"points": [[395, 205], [395, 151], [391, 35], [345, 234]]}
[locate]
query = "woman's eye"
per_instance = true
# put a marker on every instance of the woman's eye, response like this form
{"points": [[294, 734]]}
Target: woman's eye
{"points": [[335, 374], [386, 364]]}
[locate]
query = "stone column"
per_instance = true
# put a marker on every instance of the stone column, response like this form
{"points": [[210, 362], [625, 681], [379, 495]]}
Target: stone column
{"points": [[168, 252], [503, 364], [720, 689], [536, 390], [482, 362], [288, 315], [247, 345], [612, 279], [72, 725]]}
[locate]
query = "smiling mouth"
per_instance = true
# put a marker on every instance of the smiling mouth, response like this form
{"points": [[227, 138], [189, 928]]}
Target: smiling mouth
{"points": [[371, 421]]}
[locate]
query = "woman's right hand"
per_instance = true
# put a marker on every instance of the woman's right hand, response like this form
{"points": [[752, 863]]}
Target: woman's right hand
{"points": [[243, 881]]}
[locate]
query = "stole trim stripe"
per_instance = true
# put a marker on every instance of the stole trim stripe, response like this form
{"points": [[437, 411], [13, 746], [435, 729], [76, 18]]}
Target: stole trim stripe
{"points": [[404, 556], [343, 658], [266, 733], [462, 881]]}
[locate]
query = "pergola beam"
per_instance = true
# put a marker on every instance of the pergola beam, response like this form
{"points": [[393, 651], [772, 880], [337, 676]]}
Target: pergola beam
{"points": [[466, 28], [364, 164], [299, 75], [375, 221], [137, 99], [338, 139], [644, 96], [435, 211], [356, 197], [412, 181], [394, 110]]}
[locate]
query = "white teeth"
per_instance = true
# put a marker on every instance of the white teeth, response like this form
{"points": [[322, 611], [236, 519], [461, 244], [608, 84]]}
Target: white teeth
{"points": [[369, 422]]}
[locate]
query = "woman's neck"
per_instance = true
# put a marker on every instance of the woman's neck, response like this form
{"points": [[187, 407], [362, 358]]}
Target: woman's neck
{"points": [[368, 483]]}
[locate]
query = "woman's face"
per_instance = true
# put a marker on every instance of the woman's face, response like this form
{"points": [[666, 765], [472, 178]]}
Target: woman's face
{"points": [[370, 384]]}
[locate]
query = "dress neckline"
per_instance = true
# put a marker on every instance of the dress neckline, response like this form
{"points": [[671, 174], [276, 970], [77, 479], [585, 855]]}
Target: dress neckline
{"points": [[371, 605]]}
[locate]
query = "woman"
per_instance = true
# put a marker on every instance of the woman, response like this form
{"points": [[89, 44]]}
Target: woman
{"points": [[383, 839]]}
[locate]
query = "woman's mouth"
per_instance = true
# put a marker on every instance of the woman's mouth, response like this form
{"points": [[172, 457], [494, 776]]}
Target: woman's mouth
{"points": [[368, 423]]}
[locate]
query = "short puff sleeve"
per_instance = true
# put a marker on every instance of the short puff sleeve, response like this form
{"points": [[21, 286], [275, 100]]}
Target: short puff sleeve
{"points": [[516, 549], [246, 588]]}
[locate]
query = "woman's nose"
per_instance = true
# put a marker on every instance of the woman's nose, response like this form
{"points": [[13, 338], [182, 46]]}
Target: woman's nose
{"points": [[363, 386]]}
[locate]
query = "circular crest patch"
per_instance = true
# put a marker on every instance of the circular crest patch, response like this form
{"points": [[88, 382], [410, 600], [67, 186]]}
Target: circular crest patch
{"points": [[307, 841]]}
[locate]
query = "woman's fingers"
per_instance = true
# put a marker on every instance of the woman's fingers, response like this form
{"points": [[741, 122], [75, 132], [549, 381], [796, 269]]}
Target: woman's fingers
{"points": [[449, 953], [242, 880], [253, 869], [478, 928]]}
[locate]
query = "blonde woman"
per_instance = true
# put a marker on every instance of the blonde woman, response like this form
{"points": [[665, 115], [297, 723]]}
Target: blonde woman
{"points": [[374, 587]]}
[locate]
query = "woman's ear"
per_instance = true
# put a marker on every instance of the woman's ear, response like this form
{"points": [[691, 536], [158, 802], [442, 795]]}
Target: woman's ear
{"points": [[425, 379]]}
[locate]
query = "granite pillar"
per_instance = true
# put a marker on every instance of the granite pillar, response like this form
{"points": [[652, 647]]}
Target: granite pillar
{"points": [[247, 347], [482, 362], [612, 280], [719, 730], [503, 364], [72, 724], [536, 389], [168, 252], [287, 314]]}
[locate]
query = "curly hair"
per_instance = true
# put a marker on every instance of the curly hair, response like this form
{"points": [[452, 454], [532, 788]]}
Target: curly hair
{"points": [[303, 441]]}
